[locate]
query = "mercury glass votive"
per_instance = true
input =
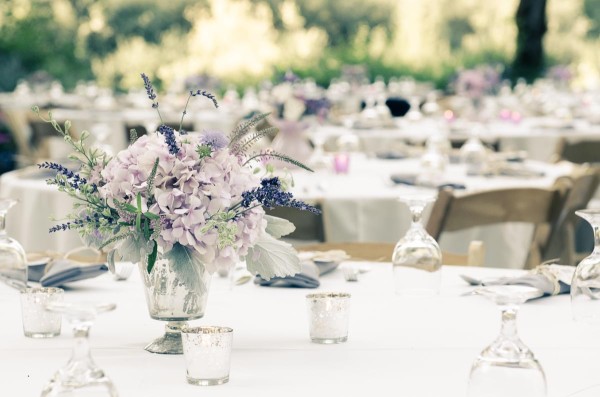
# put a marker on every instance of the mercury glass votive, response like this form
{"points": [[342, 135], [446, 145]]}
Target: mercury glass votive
{"points": [[37, 321], [207, 353], [328, 317]]}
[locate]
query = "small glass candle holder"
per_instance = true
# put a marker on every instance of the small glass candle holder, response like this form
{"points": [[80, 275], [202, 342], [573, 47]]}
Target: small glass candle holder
{"points": [[37, 321], [341, 163], [207, 353], [328, 317]]}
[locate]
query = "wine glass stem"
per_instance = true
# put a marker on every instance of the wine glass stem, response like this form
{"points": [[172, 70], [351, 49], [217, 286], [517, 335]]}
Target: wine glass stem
{"points": [[2, 224], [596, 229], [81, 350], [508, 328]]}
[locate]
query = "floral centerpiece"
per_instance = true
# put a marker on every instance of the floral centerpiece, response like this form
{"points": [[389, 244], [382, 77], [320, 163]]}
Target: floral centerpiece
{"points": [[194, 202]]}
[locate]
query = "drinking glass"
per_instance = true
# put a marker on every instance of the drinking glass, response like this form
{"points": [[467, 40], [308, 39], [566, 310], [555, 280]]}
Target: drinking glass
{"points": [[585, 287], [80, 376], [13, 263], [417, 258], [507, 367]]}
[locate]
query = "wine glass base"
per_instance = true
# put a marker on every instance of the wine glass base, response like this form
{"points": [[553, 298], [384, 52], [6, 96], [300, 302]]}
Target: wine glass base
{"points": [[92, 384], [170, 342], [207, 382]]}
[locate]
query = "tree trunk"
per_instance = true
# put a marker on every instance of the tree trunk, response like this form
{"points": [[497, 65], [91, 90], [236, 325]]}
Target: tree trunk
{"points": [[531, 22]]}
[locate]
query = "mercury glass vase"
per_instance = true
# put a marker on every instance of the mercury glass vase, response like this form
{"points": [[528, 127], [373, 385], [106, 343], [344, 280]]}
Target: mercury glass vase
{"points": [[175, 298]]}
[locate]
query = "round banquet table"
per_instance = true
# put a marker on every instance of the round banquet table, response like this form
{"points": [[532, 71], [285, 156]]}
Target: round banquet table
{"points": [[361, 206], [396, 346]]}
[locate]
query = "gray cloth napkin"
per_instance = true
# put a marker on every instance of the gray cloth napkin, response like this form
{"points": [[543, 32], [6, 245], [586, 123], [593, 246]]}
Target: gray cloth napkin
{"points": [[412, 180], [63, 271], [549, 279]]}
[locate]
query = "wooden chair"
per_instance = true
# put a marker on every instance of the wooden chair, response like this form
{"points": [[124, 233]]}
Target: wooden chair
{"points": [[382, 252], [579, 188], [579, 152], [540, 207], [309, 227]]}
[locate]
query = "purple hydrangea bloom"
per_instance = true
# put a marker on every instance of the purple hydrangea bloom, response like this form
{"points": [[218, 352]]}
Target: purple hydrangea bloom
{"points": [[215, 139]]}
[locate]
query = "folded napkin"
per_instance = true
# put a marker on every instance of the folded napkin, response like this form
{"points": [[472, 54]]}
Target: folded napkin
{"points": [[51, 271], [313, 264], [550, 279], [412, 180], [519, 171], [390, 155]]}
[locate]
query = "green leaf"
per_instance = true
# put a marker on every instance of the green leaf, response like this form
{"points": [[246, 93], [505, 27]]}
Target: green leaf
{"points": [[279, 227], [150, 215], [152, 257], [129, 207], [188, 265], [272, 258]]}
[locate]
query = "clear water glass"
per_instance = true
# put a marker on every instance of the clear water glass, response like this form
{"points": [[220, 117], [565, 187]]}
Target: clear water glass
{"points": [[328, 317], [207, 354], [507, 367], [585, 286], [417, 258], [80, 376], [37, 321], [13, 262]]}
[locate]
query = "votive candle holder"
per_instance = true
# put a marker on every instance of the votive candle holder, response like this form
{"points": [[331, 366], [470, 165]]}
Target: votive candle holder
{"points": [[328, 317], [207, 353], [37, 321]]}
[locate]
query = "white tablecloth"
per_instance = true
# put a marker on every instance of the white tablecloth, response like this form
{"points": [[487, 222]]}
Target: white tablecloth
{"points": [[396, 346], [364, 206]]}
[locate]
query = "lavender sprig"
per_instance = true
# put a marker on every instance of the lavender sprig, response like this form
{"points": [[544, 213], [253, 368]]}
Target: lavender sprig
{"points": [[71, 178], [203, 93], [169, 134], [151, 94], [270, 195]]}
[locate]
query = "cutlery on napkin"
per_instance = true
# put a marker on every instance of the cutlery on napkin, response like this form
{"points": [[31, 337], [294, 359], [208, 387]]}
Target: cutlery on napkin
{"points": [[549, 279]]}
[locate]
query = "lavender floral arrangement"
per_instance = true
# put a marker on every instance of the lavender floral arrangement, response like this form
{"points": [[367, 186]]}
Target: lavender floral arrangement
{"points": [[477, 82], [196, 200]]}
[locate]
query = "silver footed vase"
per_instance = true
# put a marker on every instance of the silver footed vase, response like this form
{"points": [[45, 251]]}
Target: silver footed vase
{"points": [[175, 298]]}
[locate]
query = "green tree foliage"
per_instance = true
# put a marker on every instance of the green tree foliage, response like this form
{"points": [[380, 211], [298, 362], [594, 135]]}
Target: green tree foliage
{"points": [[37, 43]]}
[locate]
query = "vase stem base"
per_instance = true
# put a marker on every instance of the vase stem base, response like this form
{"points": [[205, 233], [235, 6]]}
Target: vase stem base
{"points": [[170, 342]]}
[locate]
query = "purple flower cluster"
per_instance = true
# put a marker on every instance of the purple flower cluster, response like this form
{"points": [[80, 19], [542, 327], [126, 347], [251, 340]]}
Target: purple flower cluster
{"points": [[270, 195], [169, 134], [149, 90], [73, 179], [187, 194], [205, 94]]}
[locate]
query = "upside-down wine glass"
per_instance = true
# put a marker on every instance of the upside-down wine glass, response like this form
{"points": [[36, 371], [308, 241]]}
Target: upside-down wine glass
{"points": [[417, 258], [80, 376], [585, 287], [507, 367], [13, 263]]}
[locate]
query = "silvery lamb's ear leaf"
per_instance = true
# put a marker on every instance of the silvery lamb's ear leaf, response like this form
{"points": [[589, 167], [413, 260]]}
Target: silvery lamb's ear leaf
{"points": [[279, 227], [186, 262], [132, 249], [110, 260], [272, 258]]}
